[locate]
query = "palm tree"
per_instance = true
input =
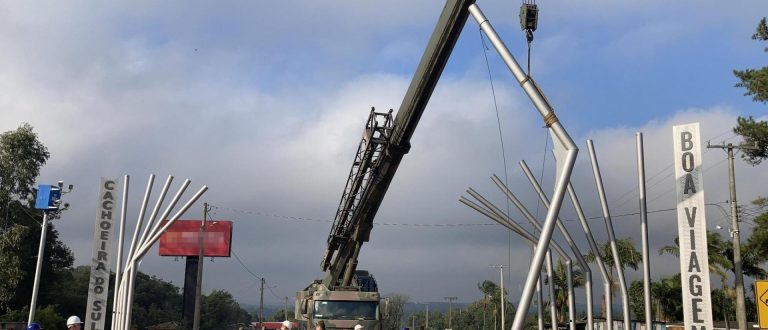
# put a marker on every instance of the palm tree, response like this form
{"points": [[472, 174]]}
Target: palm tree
{"points": [[560, 279], [628, 254], [716, 252], [668, 293]]}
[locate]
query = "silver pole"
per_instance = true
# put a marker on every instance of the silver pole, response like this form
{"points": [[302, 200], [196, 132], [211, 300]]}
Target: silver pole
{"points": [[494, 213], [503, 297], [539, 101], [571, 302], [168, 209], [607, 285], [175, 217], [540, 302], [611, 235], [120, 241], [129, 296], [159, 203], [644, 230], [551, 289], [574, 248], [38, 268], [140, 221]]}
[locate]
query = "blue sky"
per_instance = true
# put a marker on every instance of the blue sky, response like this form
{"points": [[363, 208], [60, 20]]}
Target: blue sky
{"points": [[264, 102]]}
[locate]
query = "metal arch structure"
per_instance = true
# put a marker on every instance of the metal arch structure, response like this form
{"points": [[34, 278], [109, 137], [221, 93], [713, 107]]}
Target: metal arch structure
{"points": [[565, 164]]}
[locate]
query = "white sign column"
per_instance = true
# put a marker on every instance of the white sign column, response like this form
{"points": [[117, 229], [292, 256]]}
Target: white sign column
{"points": [[692, 229], [98, 287]]}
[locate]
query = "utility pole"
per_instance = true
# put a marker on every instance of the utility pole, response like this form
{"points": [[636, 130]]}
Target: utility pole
{"points": [[741, 316], [199, 284], [501, 295], [450, 309], [261, 305]]}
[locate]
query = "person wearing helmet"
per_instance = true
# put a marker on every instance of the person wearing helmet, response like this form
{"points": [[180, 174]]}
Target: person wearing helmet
{"points": [[33, 326], [359, 327], [320, 325], [74, 323], [286, 325]]}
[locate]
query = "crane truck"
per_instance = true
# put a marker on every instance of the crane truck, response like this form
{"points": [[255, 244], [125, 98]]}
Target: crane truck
{"points": [[347, 296]]}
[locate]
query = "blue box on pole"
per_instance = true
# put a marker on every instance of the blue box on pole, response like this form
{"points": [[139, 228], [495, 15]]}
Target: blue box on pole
{"points": [[47, 195]]}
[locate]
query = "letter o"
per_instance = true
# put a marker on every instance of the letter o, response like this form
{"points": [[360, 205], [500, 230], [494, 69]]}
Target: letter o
{"points": [[687, 161]]}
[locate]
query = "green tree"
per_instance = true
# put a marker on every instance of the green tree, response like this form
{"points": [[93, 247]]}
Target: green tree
{"points": [[628, 255], [755, 81], [221, 311], [716, 253], [668, 294], [560, 279], [21, 157], [155, 301]]}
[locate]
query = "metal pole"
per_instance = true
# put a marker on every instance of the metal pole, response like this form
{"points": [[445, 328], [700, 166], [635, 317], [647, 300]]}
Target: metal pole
{"points": [[611, 235], [571, 302], [540, 302], [502, 296], [285, 311], [574, 248], [120, 241], [541, 104], [199, 284], [38, 268], [607, 287], [644, 231], [551, 290], [450, 309], [426, 325]]}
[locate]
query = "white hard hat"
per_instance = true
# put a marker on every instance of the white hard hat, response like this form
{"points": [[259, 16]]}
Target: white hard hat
{"points": [[358, 327], [72, 320], [287, 324]]}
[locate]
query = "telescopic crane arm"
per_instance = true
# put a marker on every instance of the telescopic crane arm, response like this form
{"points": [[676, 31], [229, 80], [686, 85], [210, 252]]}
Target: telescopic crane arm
{"points": [[385, 141]]}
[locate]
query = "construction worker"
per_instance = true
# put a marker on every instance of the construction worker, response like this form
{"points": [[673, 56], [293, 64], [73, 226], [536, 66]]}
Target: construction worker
{"points": [[359, 327], [33, 326], [74, 323], [286, 325], [320, 325]]}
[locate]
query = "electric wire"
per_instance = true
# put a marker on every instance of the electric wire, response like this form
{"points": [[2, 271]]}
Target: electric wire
{"points": [[501, 137]]}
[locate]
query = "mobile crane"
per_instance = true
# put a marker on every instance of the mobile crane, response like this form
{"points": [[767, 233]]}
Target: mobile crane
{"points": [[347, 296]]}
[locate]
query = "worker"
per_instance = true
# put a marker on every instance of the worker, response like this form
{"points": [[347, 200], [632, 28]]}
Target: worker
{"points": [[74, 323], [33, 326], [359, 327], [320, 325], [286, 325]]}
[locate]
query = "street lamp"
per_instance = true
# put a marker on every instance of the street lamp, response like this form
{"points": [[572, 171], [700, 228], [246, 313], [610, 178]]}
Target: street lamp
{"points": [[502, 296], [49, 202]]}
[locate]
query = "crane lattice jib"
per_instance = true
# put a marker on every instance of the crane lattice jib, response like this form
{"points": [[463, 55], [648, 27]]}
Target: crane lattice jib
{"points": [[370, 177], [375, 139]]}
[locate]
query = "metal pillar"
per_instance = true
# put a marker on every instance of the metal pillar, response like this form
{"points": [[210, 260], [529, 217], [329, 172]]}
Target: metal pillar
{"points": [[644, 230], [38, 268], [611, 235]]}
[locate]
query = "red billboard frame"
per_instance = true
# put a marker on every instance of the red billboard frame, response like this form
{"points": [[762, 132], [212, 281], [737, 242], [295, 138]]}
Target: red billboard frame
{"points": [[182, 238]]}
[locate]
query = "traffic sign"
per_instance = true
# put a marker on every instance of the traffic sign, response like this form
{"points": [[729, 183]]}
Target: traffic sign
{"points": [[761, 300]]}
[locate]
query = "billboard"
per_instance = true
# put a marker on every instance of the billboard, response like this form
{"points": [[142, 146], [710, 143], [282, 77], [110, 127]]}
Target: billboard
{"points": [[692, 228], [182, 239]]}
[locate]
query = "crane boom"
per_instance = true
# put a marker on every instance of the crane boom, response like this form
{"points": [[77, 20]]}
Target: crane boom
{"points": [[384, 143]]}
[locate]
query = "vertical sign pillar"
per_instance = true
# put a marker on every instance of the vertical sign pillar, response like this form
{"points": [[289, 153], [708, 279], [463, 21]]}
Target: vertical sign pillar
{"points": [[692, 230], [98, 287]]}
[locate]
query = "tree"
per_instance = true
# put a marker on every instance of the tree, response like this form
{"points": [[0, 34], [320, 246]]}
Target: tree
{"points": [[220, 311], [755, 81], [560, 279], [668, 293], [396, 310], [716, 253], [628, 255], [21, 157]]}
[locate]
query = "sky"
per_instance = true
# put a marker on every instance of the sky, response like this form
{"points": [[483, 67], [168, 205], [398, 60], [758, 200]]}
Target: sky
{"points": [[265, 102]]}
